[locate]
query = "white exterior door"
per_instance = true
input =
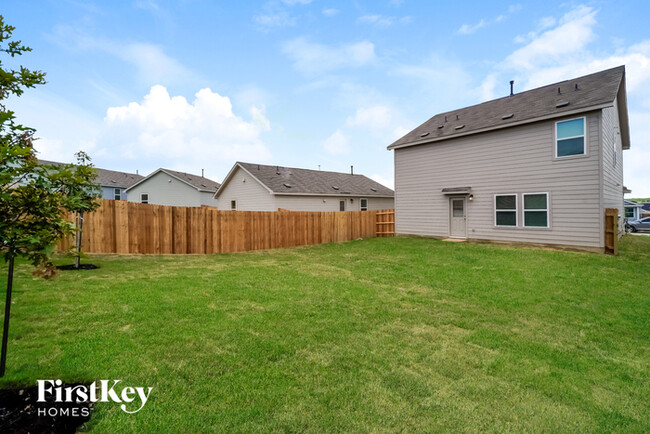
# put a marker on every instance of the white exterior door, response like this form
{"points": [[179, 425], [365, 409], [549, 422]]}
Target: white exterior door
{"points": [[457, 217]]}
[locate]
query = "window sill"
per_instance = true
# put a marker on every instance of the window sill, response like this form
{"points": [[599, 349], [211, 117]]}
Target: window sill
{"points": [[571, 157]]}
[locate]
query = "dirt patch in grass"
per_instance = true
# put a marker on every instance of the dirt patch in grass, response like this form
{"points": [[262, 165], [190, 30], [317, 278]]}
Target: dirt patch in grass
{"points": [[20, 413]]}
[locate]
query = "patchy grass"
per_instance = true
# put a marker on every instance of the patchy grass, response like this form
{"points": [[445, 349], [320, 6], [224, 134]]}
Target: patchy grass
{"points": [[385, 334]]}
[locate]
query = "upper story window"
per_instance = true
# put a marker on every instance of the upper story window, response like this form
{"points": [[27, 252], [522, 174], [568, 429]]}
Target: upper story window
{"points": [[233, 205], [144, 197], [364, 204], [505, 210], [117, 194], [570, 138]]}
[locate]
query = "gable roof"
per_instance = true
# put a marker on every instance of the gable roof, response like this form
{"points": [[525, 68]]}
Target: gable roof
{"points": [[107, 178], [590, 92], [295, 181], [196, 181], [631, 204]]}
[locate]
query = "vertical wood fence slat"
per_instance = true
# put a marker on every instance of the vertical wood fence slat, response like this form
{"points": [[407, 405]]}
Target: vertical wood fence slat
{"points": [[611, 231], [128, 227]]}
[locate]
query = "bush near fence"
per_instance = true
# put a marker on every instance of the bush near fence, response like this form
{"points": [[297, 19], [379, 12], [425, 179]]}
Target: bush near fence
{"points": [[128, 227]]}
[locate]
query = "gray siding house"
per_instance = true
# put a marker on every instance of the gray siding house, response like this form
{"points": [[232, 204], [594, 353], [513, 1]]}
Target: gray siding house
{"points": [[112, 183], [258, 187], [633, 210], [538, 166], [169, 187]]}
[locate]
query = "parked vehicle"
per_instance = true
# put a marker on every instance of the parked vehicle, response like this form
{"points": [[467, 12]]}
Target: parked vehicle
{"points": [[639, 225]]}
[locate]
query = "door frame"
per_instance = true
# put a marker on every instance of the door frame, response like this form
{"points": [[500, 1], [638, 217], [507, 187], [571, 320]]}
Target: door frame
{"points": [[451, 211]]}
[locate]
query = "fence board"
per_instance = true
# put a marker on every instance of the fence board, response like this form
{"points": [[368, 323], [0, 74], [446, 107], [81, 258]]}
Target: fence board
{"points": [[128, 227]]}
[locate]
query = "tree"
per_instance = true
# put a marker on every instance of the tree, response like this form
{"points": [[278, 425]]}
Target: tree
{"points": [[34, 198]]}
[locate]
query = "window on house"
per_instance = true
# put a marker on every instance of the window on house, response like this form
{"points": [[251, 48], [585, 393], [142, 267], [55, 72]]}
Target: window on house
{"points": [[144, 197], [570, 137], [342, 205], [629, 213], [364, 204], [117, 194], [233, 205], [505, 210], [536, 210]]}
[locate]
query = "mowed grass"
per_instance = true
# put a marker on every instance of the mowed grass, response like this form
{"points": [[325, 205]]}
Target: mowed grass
{"points": [[379, 335]]}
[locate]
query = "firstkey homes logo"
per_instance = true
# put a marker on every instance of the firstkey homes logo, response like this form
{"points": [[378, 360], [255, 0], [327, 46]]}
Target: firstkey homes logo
{"points": [[131, 399]]}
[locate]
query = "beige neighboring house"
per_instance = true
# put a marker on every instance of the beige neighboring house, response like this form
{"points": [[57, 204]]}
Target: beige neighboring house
{"points": [[169, 187], [538, 166], [259, 187]]}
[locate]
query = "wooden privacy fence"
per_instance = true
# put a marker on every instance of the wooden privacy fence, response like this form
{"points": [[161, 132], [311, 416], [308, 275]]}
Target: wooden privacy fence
{"points": [[611, 231], [128, 227], [386, 223]]}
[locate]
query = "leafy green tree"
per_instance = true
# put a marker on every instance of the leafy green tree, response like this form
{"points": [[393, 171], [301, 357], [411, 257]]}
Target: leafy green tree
{"points": [[34, 198]]}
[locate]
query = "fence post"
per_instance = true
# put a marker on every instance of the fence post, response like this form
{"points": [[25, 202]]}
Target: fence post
{"points": [[611, 231]]}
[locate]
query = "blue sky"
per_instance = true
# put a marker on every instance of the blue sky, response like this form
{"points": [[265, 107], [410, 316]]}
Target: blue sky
{"points": [[192, 84]]}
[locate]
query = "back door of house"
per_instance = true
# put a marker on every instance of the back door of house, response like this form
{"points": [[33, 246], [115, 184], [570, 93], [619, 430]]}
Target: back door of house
{"points": [[457, 217]]}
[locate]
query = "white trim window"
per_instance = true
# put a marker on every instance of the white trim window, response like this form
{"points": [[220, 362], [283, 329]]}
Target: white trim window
{"points": [[535, 210], [117, 193], [233, 205], [505, 210], [363, 203], [144, 197], [570, 138]]}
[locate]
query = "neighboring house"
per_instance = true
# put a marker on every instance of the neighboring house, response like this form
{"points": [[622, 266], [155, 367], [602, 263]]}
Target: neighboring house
{"points": [[539, 166], [258, 187], [112, 183], [633, 210], [646, 209], [169, 187]]}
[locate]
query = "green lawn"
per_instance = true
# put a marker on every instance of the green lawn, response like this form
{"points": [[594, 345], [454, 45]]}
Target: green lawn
{"points": [[391, 334]]}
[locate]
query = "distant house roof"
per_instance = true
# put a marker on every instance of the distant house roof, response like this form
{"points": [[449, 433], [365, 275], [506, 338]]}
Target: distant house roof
{"points": [[646, 206], [295, 181], [631, 204], [579, 95], [108, 178], [196, 181]]}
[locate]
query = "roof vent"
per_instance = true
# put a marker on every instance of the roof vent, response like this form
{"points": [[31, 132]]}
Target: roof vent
{"points": [[577, 88], [460, 127], [203, 185], [457, 118], [373, 189], [114, 181], [512, 90], [559, 92], [424, 134], [335, 187], [508, 116], [288, 185], [562, 104], [440, 126]]}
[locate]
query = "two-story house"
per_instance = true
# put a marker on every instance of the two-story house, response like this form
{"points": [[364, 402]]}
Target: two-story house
{"points": [[539, 166]]}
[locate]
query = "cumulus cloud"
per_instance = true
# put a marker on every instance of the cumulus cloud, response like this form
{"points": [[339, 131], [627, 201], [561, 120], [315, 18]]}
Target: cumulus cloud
{"points": [[337, 144], [188, 134], [314, 58], [468, 29]]}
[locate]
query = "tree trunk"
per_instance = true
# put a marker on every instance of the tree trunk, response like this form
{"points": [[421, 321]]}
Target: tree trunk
{"points": [[5, 330], [80, 224]]}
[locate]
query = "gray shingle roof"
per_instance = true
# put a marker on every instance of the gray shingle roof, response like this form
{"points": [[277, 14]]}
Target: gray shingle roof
{"points": [[291, 180], [583, 93], [108, 178], [200, 182]]}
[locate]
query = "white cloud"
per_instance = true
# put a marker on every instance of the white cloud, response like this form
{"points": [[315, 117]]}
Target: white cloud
{"points": [[296, 2], [468, 29], [385, 181], [313, 58], [330, 12], [190, 135], [337, 144], [376, 117], [559, 44], [377, 20], [274, 19]]}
